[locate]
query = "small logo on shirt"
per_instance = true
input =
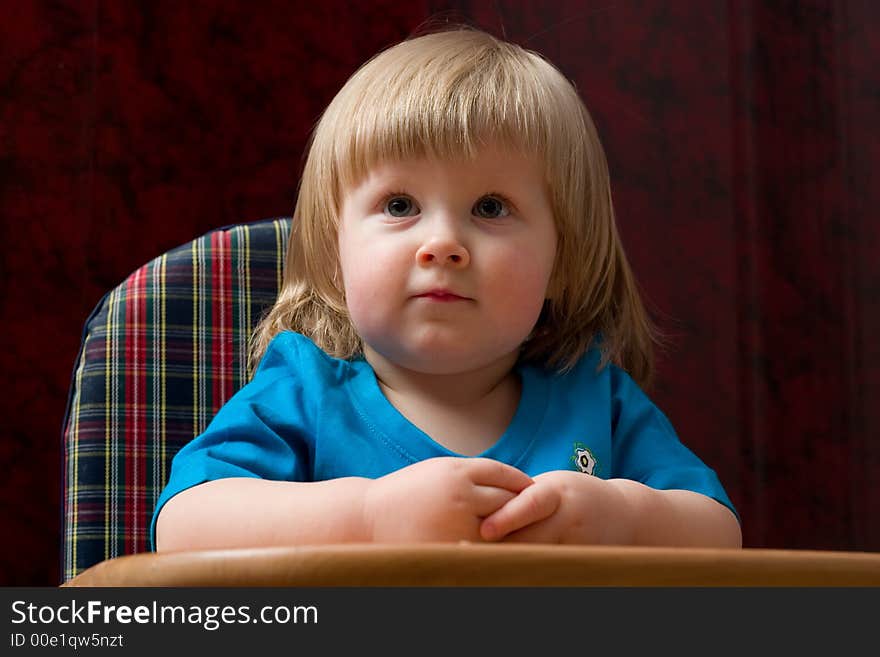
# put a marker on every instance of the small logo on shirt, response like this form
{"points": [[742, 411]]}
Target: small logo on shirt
{"points": [[583, 459]]}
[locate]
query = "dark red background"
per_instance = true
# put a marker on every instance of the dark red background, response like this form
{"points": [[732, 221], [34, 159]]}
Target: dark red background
{"points": [[741, 137]]}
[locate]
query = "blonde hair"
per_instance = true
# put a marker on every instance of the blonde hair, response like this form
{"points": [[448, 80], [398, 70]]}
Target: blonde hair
{"points": [[443, 95]]}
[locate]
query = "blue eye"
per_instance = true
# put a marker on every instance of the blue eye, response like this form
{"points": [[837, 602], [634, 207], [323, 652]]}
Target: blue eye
{"points": [[490, 207], [400, 206]]}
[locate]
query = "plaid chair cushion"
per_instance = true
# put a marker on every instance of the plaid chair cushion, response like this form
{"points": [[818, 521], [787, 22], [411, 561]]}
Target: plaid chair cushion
{"points": [[160, 354]]}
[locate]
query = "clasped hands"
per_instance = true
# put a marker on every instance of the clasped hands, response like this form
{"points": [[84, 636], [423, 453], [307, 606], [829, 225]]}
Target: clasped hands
{"points": [[478, 499]]}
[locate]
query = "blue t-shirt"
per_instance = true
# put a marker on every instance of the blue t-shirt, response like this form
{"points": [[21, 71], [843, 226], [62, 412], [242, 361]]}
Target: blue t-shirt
{"points": [[306, 416]]}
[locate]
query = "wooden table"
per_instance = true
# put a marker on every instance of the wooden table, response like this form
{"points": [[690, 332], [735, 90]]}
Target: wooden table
{"points": [[467, 564]]}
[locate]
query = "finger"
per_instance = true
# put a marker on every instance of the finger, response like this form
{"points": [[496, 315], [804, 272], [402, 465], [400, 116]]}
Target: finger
{"points": [[533, 504], [488, 499], [488, 472], [543, 531]]}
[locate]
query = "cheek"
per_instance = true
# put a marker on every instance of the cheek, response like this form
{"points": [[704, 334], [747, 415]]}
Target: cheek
{"points": [[522, 282], [518, 299], [526, 300], [521, 292], [369, 280]]}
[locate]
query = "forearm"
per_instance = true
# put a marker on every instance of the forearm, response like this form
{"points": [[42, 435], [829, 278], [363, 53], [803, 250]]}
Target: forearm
{"points": [[243, 512], [678, 518]]}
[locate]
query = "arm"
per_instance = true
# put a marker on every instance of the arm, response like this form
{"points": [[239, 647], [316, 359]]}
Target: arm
{"points": [[442, 499], [248, 512], [679, 518], [571, 507]]}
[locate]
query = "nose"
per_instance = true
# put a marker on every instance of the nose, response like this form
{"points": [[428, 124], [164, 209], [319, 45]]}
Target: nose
{"points": [[445, 251]]}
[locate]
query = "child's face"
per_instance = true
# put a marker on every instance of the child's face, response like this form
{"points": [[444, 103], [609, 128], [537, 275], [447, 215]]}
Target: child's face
{"points": [[446, 264]]}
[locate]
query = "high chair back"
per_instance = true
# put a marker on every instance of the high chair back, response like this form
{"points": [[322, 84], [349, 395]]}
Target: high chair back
{"points": [[159, 355]]}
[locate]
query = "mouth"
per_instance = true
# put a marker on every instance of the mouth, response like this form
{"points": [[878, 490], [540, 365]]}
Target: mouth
{"points": [[442, 296]]}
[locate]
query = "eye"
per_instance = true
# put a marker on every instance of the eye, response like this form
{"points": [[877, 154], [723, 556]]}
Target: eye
{"points": [[490, 207], [399, 206]]}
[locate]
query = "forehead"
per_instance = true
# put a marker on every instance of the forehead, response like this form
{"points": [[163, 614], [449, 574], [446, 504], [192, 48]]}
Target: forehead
{"points": [[490, 164]]}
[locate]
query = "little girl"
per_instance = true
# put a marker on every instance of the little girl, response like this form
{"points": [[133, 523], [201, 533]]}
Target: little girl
{"points": [[458, 344]]}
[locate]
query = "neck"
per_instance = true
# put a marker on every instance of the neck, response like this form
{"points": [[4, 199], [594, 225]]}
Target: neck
{"points": [[458, 389]]}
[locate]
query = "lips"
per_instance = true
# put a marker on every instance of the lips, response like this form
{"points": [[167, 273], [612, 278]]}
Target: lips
{"points": [[441, 295]]}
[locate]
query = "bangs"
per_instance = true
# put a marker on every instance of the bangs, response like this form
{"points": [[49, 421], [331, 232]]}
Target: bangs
{"points": [[443, 95]]}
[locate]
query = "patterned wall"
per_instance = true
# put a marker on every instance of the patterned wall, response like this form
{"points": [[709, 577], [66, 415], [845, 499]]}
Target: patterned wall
{"points": [[741, 141]]}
